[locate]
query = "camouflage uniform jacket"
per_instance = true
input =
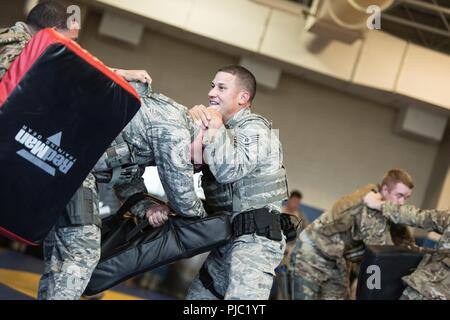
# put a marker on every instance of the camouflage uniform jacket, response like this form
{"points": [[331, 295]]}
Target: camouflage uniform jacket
{"points": [[12, 42], [432, 277], [160, 135], [245, 166], [343, 231]]}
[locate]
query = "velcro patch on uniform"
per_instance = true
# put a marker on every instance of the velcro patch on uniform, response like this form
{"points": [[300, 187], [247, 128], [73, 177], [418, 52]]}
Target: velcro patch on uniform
{"points": [[250, 140]]}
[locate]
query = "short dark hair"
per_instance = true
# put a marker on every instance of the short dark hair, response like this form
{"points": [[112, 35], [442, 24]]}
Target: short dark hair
{"points": [[394, 176], [48, 14], [246, 78], [296, 194]]}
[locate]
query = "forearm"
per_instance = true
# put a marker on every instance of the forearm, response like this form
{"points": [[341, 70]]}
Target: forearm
{"points": [[176, 172], [126, 190], [432, 220], [178, 184], [187, 204]]}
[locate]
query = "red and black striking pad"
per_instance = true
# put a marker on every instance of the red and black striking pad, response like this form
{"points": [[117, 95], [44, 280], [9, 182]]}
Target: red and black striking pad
{"points": [[60, 108]]}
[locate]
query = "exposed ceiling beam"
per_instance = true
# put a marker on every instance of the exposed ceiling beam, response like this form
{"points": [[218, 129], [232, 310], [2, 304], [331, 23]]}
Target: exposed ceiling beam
{"points": [[443, 18], [426, 5], [415, 25]]}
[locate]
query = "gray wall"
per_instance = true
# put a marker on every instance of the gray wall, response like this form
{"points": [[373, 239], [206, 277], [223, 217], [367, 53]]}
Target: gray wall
{"points": [[11, 11]]}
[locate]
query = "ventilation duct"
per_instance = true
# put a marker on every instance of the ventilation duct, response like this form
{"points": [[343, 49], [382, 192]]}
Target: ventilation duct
{"points": [[421, 123], [343, 20]]}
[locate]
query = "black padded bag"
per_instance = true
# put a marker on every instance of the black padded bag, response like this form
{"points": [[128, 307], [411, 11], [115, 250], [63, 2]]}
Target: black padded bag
{"points": [[394, 262], [130, 247]]}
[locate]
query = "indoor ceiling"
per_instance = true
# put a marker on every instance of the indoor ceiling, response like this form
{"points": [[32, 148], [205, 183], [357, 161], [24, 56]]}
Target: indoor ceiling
{"points": [[424, 22]]}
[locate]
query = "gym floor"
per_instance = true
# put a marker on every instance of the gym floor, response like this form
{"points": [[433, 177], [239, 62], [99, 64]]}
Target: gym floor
{"points": [[20, 274]]}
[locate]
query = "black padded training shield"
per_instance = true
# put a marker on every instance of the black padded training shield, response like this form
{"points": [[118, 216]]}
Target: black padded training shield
{"points": [[60, 108], [389, 264]]}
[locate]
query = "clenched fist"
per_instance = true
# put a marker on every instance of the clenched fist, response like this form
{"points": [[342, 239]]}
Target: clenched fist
{"points": [[157, 215]]}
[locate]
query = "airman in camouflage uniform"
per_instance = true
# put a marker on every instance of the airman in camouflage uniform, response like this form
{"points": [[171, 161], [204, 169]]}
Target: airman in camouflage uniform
{"points": [[160, 134], [71, 249], [244, 175], [431, 279], [338, 236]]}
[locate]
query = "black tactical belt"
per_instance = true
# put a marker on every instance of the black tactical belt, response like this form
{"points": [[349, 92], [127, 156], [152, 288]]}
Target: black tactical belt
{"points": [[260, 221]]}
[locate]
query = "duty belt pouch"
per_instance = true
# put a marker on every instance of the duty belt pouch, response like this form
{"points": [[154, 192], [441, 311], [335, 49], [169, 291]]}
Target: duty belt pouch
{"points": [[60, 109], [385, 265], [268, 225], [288, 227], [130, 247], [81, 210]]}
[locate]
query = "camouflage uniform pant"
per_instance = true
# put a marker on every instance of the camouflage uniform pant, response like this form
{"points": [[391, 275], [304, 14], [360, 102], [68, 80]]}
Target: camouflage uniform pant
{"points": [[316, 277], [70, 255], [411, 294], [72, 251], [241, 269]]}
